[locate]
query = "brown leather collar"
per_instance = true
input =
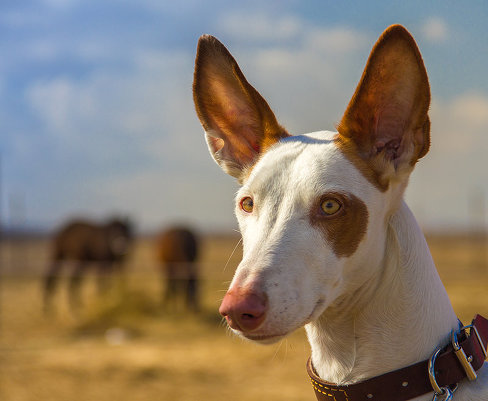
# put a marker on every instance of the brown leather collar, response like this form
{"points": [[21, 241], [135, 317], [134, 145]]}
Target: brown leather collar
{"points": [[413, 381]]}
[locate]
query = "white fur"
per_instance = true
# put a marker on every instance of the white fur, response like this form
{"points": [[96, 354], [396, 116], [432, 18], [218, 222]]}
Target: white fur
{"points": [[378, 310]]}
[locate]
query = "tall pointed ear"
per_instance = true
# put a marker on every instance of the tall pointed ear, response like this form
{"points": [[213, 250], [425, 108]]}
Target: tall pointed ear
{"points": [[239, 125], [387, 118]]}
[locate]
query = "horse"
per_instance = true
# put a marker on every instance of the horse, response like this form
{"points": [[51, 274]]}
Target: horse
{"points": [[177, 251], [86, 244]]}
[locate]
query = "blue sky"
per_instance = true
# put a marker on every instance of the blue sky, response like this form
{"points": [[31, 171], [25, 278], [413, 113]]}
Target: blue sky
{"points": [[96, 112]]}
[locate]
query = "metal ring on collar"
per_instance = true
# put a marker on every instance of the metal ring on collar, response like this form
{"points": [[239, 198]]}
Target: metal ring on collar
{"points": [[445, 392]]}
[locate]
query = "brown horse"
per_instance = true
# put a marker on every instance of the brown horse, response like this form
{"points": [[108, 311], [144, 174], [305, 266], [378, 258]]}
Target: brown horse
{"points": [[85, 244], [177, 251]]}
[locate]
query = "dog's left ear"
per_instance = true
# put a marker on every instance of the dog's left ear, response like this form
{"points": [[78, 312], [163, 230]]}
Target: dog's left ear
{"points": [[387, 117], [239, 125]]}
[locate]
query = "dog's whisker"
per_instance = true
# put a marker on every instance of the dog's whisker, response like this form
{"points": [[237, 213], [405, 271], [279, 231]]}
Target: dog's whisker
{"points": [[232, 254], [278, 347]]}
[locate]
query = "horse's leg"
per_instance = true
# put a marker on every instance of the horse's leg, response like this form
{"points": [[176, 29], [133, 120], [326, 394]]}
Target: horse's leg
{"points": [[74, 286], [104, 273], [120, 276], [192, 288], [170, 283], [50, 282]]}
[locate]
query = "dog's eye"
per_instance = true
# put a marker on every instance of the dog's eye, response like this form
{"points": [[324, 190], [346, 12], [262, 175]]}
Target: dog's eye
{"points": [[247, 204], [330, 206]]}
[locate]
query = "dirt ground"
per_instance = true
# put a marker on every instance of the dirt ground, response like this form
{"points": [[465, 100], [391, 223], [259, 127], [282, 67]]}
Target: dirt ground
{"points": [[124, 346]]}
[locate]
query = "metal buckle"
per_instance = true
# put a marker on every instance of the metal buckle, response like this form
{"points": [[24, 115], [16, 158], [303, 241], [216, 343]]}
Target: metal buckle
{"points": [[478, 337], [461, 355], [440, 393]]}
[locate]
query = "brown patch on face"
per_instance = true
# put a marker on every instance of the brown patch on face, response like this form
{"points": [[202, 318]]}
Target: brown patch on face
{"points": [[345, 229], [368, 168]]}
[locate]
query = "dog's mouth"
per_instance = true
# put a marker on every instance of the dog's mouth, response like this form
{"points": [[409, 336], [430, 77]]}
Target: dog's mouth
{"points": [[316, 312], [263, 338]]}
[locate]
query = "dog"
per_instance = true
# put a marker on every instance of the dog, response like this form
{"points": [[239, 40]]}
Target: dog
{"points": [[328, 241]]}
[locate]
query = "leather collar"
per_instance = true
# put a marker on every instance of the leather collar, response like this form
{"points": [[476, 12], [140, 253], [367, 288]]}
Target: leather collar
{"points": [[413, 381]]}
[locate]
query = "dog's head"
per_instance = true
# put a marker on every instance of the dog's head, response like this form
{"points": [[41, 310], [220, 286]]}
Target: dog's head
{"points": [[313, 209]]}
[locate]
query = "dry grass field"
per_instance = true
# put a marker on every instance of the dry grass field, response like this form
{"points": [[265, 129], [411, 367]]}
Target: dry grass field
{"points": [[123, 346]]}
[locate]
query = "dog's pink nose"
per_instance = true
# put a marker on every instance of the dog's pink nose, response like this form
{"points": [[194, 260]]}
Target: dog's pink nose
{"points": [[243, 310]]}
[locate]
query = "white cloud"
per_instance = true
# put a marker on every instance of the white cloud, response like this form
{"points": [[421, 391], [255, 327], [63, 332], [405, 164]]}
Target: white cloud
{"points": [[56, 103], [290, 31], [435, 30], [260, 27], [472, 108], [336, 40], [129, 103], [43, 50], [455, 167]]}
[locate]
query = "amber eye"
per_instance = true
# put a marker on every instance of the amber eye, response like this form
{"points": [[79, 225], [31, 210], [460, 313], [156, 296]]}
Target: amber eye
{"points": [[247, 204], [330, 206]]}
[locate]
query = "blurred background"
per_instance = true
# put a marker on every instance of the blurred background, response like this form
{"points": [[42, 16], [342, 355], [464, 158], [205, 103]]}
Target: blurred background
{"points": [[97, 123]]}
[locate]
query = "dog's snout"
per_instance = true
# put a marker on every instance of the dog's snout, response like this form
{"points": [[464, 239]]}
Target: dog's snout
{"points": [[244, 310]]}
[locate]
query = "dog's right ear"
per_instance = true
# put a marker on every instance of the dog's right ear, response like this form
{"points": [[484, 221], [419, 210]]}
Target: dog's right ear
{"points": [[239, 125]]}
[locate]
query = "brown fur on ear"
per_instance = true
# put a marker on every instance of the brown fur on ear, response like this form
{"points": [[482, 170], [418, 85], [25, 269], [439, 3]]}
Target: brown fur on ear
{"points": [[239, 123], [388, 114]]}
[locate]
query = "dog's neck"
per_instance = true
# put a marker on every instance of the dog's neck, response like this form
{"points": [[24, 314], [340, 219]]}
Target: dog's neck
{"points": [[395, 319]]}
